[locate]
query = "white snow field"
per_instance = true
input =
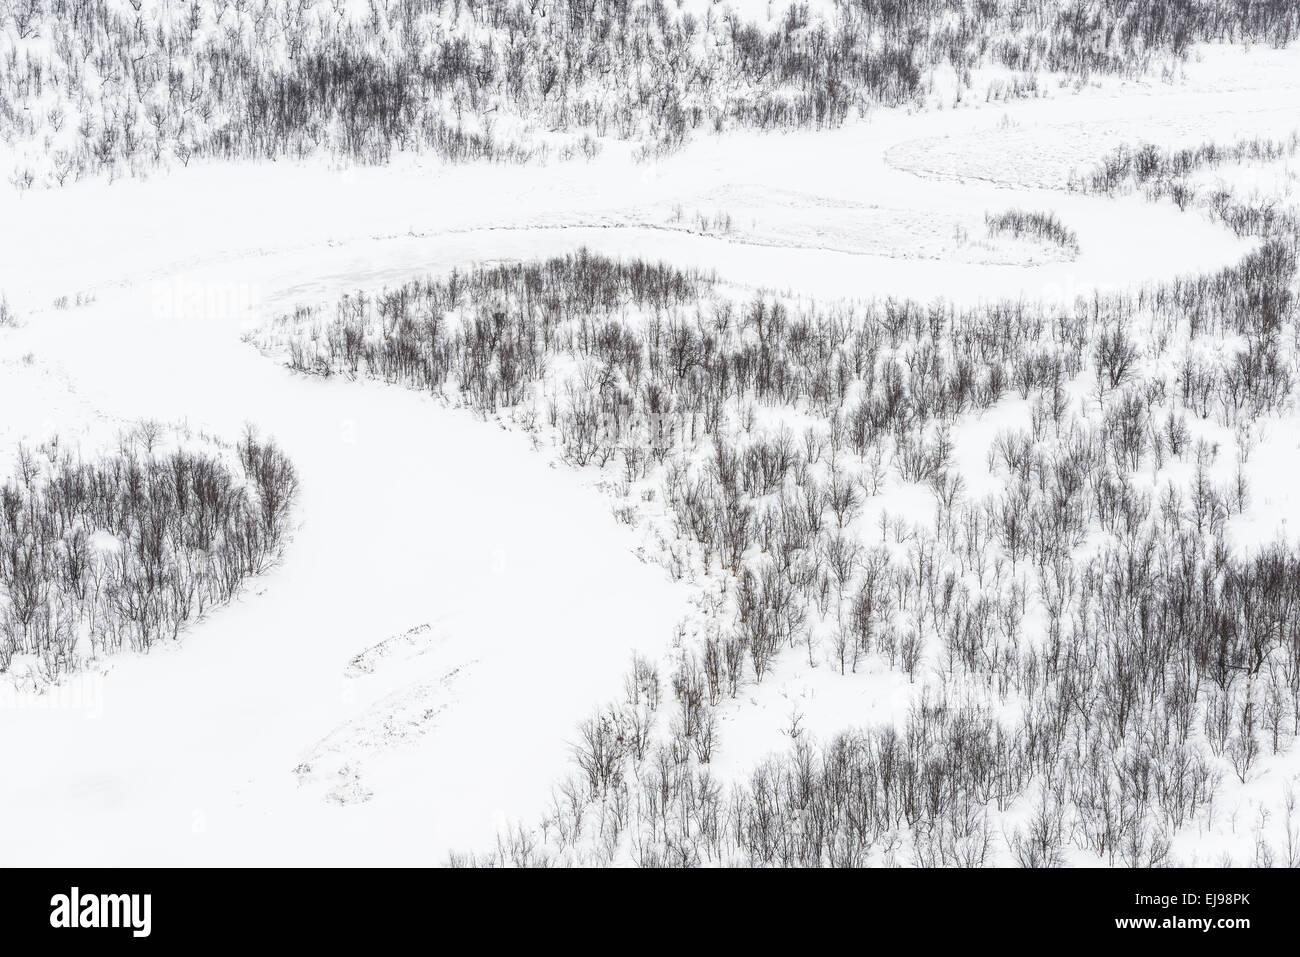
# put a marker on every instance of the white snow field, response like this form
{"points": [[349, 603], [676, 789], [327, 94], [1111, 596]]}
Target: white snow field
{"points": [[407, 680], [189, 755]]}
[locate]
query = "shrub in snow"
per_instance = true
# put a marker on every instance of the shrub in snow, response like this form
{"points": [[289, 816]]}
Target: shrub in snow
{"points": [[90, 87], [1092, 659], [1020, 223], [124, 550]]}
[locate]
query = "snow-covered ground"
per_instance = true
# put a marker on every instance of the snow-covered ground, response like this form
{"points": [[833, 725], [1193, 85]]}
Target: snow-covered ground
{"points": [[489, 595], [881, 184], [410, 516]]}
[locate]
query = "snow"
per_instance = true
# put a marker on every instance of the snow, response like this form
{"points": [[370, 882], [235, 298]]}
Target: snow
{"points": [[510, 601], [519, 571]]}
